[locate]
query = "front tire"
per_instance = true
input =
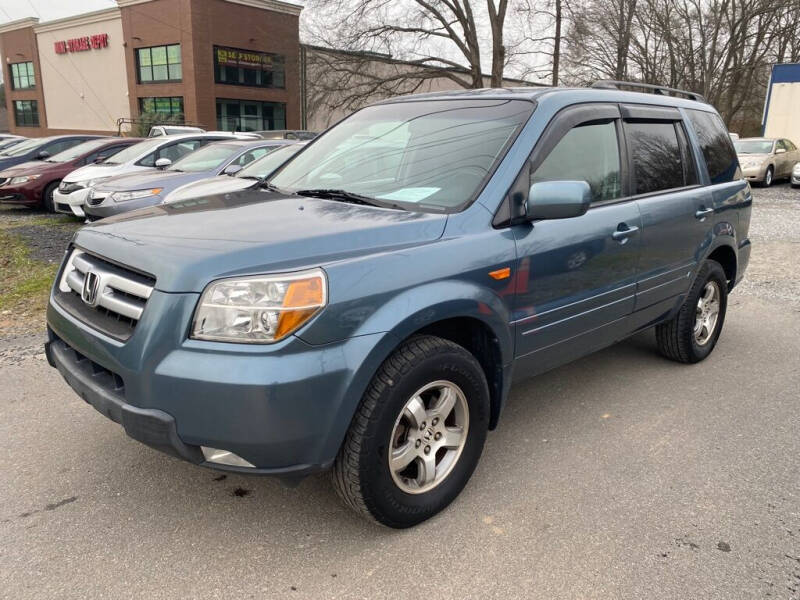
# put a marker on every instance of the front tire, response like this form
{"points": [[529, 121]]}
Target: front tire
{"points": [[417, 434], [47, 197], [769, 176], [692, 334]]}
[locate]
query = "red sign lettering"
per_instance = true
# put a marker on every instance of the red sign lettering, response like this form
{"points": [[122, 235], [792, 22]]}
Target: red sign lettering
{"points": [[82, 44]]}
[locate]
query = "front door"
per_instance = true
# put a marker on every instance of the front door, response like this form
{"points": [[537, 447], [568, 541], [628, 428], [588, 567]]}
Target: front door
{"points": [[576, 278]]}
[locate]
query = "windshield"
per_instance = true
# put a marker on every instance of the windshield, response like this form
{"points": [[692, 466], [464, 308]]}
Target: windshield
{"points": [[76, 151], [133, 152], [433, 155], [207, 158], [753, 146], [264, 166], [26, 146]]}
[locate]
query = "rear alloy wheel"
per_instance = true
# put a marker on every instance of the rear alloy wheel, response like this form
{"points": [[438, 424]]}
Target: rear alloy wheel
{"points": [[47, 197], [768, 176], [417, 434], [692, 334]]}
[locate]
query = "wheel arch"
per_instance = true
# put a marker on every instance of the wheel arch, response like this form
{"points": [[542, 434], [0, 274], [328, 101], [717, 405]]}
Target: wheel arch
{"points": [[725, 255]]}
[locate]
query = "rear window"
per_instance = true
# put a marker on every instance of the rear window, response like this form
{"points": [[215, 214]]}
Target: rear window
{"points": [[656, 156], [716, 146]]}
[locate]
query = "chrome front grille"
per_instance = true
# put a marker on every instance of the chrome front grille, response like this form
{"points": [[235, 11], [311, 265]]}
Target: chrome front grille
{"points": [[104, 295]]}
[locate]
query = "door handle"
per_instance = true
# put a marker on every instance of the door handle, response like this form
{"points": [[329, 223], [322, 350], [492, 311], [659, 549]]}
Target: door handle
{"points": [[621, 235], [702, 213]]}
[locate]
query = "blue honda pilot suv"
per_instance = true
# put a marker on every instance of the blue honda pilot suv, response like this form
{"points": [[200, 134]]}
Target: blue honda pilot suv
{"points": [[367, 309]]}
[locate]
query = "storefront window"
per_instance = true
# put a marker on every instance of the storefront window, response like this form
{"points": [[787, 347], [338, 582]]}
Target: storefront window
{"points": [[26, 113], [167, 106], [250, 115], [233, 66], [159, 63], [22, 76]]}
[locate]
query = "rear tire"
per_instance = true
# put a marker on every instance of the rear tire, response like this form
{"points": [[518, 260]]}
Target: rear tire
{"points": [[47, 197], [692, 334], [404, 416]]}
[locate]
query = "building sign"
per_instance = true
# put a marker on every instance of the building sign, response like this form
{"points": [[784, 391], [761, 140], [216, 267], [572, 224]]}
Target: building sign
{"points": [[232, 57], [81, 44]]}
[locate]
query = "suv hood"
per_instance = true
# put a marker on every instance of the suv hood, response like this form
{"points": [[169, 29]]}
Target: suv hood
{"points": [[146, 179], [187, 244]]}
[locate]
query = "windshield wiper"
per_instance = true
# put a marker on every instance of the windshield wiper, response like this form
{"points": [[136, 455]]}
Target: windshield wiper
{"points": [[345, 196]]}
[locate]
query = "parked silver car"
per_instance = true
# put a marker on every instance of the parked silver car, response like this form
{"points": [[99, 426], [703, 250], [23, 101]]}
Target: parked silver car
{"points": [[763, 160]]}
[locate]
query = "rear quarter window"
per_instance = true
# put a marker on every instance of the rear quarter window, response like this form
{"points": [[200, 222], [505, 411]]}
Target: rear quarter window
{"points": [[716, 145]]}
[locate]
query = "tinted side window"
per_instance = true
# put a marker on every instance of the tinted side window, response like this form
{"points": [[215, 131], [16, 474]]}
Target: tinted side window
{"points": [[656, 156], [716, 146], [586, 153], [179, 150], [790, 146], [61, 145], [689, 169]]}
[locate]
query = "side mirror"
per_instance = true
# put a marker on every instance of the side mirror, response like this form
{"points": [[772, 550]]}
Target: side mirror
{"points": [[43, 154], [232, 170], [780, 150], [558, 200], [101, 158], [163, 163]]}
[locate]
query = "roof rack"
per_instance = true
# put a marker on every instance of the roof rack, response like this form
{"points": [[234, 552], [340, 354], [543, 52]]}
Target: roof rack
{"points": [[611, 84]]}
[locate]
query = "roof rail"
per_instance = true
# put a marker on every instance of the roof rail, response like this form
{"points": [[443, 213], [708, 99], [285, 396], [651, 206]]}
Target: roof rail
{"points": [[610, 84]]}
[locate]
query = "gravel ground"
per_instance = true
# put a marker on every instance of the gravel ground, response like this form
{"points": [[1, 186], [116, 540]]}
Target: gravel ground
{"points": [[775, 232], [46, 234]]}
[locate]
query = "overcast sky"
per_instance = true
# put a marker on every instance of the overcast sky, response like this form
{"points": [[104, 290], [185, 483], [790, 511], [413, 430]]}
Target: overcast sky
{"points": [[47, 10]]}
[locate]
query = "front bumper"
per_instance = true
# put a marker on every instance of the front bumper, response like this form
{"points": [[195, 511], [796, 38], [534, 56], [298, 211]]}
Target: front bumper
{"points": [[795, 179], [72, 203], [284, 408], [109, 208], [21, 194], [755, 174]]}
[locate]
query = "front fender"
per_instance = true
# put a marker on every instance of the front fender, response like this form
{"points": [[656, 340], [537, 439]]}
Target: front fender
{"points": [[405, 314]]}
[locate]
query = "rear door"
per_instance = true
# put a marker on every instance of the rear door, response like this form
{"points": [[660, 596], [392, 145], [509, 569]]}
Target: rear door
{"points": [[576, 277], [665, 184]]}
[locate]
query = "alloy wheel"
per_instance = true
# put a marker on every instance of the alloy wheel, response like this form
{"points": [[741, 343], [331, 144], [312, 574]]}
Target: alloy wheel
{"points": [[707, 313], [428, 437]]}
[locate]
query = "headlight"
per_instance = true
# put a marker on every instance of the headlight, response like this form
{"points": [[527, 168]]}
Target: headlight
{"points": [[134, 195], [261, 309], [796, 170], [93, 182], [23, 179]]}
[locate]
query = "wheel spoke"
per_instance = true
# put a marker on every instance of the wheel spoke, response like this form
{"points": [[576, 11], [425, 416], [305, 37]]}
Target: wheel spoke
{"points": [[402, 456], [447, 400], [452, 437], [415, 411], [709, 294], [427, 469]]}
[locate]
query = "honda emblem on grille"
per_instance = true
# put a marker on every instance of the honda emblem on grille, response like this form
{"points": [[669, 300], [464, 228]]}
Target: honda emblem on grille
{"points": [[91, 285]]}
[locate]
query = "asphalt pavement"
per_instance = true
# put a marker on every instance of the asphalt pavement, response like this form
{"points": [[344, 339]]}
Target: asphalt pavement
{"points": [[622, 475]]}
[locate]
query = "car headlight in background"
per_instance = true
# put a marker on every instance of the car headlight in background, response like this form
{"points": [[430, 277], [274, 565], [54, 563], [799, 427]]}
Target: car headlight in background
{"points": [[93, 182], [23, 179], [260, 309], [796, 170], [751, 164], [134, 195]]}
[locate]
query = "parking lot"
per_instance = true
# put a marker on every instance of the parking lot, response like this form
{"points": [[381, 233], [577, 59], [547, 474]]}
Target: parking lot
{"points": [[622, 475]]}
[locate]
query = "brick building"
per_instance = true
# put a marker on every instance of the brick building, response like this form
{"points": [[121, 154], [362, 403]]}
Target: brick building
{"points": [[221, 64]]}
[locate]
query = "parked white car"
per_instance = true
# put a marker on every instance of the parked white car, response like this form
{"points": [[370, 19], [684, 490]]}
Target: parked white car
{"points": [[249, 176], [159, 130], [157, 152]]}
